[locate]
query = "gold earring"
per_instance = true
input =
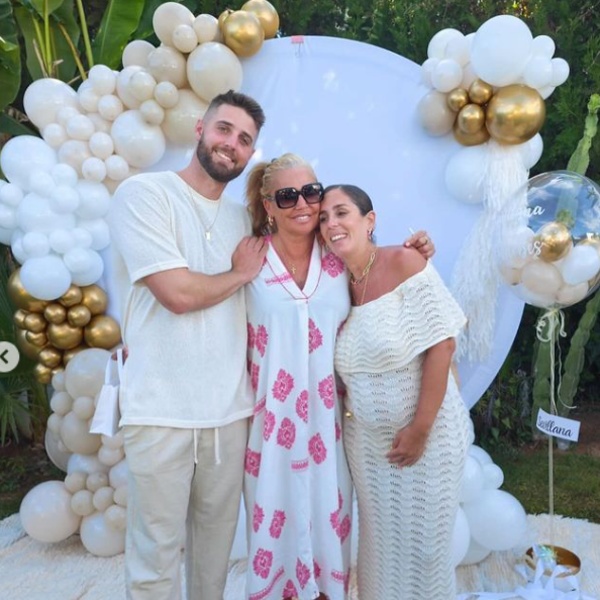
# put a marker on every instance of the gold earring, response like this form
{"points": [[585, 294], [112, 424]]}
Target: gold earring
{"points": [[270, 220]]}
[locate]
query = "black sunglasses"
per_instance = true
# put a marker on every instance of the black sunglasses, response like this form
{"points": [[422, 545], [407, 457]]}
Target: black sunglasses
{"points": [[288, 197]]}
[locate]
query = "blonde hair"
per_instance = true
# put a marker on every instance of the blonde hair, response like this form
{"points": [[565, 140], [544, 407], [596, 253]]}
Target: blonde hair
{"points": [[259, 183]]}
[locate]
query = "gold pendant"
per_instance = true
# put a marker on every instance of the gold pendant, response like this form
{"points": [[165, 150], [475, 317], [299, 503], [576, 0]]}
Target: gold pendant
{"points": [[207, 235]]}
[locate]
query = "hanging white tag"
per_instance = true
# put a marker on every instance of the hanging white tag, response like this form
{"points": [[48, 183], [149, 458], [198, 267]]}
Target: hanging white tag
{"points": [[560, 427]]}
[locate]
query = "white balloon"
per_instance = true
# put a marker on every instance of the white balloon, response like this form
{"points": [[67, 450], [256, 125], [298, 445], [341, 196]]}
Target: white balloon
{"points": [[475, 553], [465, 173], [80, 127], [116, 517], [541, 277], [538, 72], [427, 69], [17, 247], [571, 294], [459, 50], [213, 69], [44, 97], [180, 121], [40, 157], [64, 200], [5, 236], [543, 45], [61, 241], [103, 80], [437, 44], [65, 114], [36, 244], [184, 38], [82, 503], [101, 145], [168, 64], [166, 94], [123, 90], [118, 475], [534, 298], [53, 424], [84, 374], [546, 92], [580, 265], [136, 53], [501, 49], [41, 183], [207, 28], [121, 495], [87, 464], [58, 456], [61, 403], [469, 76], [493, 477], [153, 112], [117, 167], [109, 108], [141, 86], [497, 520], [93, 274], [473, 481], [560, 71], [75, 435], [8, 217], [447, 75], [114, 442], [75, 482], [100, 539], [46, 513], [46, 277], [103, 498], [82, 237], [78, 260], [94, 169], [11, 194], [139, 143], [99, 231], [434, 114], [73, 153], [461, 537], [167, 17], [54, 135], [64, 175], [88, 99], [94, 199], [531, 151], [58, 381]]}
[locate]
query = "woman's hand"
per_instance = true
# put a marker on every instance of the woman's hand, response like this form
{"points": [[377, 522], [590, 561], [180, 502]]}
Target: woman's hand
{"points": [[125, 354], [408, 446], [422, 242]]}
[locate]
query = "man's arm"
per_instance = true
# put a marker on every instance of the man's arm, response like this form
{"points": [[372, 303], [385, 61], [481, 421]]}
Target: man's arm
{"points": [[181, 290]]}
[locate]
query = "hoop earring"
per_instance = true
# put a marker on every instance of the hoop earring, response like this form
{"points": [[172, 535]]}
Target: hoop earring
{"points": [[270, 221], [370, 234]]}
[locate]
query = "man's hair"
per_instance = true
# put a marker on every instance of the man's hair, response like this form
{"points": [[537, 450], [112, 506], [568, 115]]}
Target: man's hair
{"points": [[246, 103]]}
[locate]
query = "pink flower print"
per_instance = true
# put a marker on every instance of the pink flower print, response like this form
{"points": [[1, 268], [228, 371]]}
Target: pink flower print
{"points": [[262, 337], [302, 573], [252, 464], [338, 432], [316, 569], [254, 373], [315, 337], [334, 519], [251, 336], [316, 448], [283, 385], [258, 515], [263, 559], [277, 523], [286, 434], [326, 391], [302, 406], [332, 265], [290, 591], [343, 529], [268, 425]]}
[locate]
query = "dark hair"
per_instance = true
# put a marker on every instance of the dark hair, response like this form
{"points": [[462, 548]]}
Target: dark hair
{"points": [[359, 197], [246, 103]]}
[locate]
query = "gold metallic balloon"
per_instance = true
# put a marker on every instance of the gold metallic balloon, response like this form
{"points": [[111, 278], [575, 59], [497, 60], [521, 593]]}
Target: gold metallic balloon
{"points": [[471, 139], [37, 339], [43, 374], [94, 298], [515, 114], [55, 313], [25, 346], [19, 318], [71, 297], [79, 316], [102, 332], [480, 92], [243, 33], [471, 119], [69, 354], [64, 336], [35, 323], [50, 357], [20, 297], [555, 241], [224, 15], [267, 15], [457, 99]]}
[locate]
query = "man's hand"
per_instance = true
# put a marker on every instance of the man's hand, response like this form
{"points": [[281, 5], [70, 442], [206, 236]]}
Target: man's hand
{"points": [[422, 242], [248, 258], [125, 354], [408, 446]]}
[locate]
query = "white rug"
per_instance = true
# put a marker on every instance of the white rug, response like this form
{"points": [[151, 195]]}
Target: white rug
{"points": [[30, 570]]}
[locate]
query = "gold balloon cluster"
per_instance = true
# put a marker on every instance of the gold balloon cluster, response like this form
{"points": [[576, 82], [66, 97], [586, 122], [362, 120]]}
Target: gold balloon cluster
{"points": [[53, 332], [245, 30], [512, 115]]}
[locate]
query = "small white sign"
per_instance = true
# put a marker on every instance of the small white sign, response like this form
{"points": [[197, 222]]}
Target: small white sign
{"points": [[566, 429]]}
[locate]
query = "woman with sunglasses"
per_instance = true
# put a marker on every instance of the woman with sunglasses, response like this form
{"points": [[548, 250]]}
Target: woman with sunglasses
{"points": [[298, 489]]}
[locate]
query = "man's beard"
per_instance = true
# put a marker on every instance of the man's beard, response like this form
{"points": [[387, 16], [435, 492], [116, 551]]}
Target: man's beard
{"points": [[219, 173]]}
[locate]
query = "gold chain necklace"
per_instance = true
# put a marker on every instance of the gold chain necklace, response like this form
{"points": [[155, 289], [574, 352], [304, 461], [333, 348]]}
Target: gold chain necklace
{"points": [[207, 230], [354, 280], [292, 267]]}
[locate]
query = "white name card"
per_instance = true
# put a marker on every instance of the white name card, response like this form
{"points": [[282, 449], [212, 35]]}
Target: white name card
{"points": [[566, 429]]}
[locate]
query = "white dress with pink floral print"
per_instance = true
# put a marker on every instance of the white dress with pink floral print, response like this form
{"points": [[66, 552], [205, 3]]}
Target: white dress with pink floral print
{"points": [[298, 488]]}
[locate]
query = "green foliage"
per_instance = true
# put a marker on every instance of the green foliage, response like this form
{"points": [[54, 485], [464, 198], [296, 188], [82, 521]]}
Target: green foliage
{"points": [[10, 56]]}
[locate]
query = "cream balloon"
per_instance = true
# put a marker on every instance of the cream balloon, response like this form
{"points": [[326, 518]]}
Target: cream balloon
{"points": [[138, 142], [100, 539], [116, 517], [213, 69], [58, 381], [61, 403], [207, 29], [153, 113], [168, 64], [84, 407], [115, 441], [103, 498], [56, 451], [109, 108], [74, 153], [75, 482], [435, 115], [82, 503], [102, 79], [84, 375], [85, 463], [100, 123], [66, 113], [54, 135], [166, 94], [46, 513], [75, 435], [141, 85], [167, 17], [541, 277], [45, 97], [568, 295], [511, 275], [580, 265], [53, 423], [93, 169], [101, 145], [179, 125], [95, 481], [40, 157], [136, 54], [539, 300], [88, 99], [110, 456], [120, 496], [117, 167], [185, 39], [118, 474], [123, 90]]}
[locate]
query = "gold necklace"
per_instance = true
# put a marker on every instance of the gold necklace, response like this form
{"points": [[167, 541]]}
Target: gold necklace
{"points": [[354, 280], [207, 230], [286, 260]]}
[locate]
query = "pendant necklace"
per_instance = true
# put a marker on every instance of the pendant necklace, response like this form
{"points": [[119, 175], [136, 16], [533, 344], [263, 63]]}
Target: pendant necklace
{"points": [[207, 230]]}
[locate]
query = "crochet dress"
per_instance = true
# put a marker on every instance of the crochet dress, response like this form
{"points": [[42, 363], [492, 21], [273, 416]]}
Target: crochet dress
{"points": [[406, 515]]}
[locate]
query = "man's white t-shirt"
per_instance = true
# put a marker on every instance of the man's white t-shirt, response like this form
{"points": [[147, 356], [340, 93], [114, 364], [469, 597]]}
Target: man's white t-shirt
{"points": [[186, 370]]}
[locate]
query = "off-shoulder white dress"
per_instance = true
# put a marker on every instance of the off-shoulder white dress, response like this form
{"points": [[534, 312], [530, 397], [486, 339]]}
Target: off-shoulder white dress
{"points": [[406, 516]]}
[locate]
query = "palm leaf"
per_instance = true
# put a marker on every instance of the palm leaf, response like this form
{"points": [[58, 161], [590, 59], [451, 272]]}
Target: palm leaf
{"points": [[10, 56]]}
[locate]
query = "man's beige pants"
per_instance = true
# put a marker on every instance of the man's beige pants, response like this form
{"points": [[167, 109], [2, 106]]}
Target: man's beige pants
{"points": [[177, 475]]}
